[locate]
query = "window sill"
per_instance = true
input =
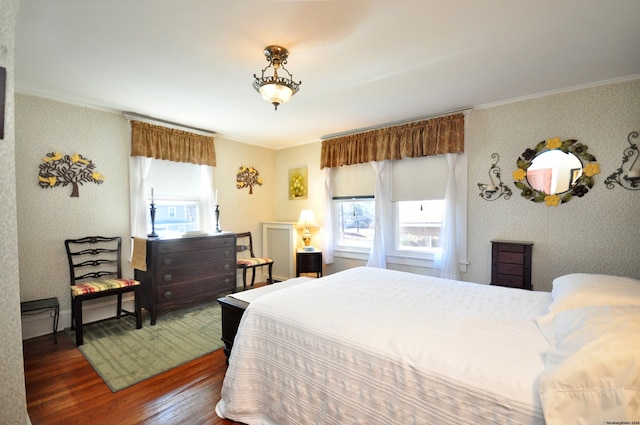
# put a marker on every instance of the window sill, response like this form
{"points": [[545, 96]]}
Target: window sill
{"points": [[425, 261], [394, 258]]}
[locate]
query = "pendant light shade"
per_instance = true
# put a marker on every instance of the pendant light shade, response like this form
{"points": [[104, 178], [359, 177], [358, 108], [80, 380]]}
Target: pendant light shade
{"points": [[275, 88]]}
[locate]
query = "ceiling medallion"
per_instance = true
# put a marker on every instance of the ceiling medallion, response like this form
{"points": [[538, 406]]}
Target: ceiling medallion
{"points": [[276, 89]]}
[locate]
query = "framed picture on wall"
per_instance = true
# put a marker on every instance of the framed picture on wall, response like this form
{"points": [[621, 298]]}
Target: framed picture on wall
{"points": [[3, 83], [298, 183]]}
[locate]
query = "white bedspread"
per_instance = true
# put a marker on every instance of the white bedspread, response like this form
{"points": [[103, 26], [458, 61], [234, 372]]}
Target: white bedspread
{"points": [[374, 346]]}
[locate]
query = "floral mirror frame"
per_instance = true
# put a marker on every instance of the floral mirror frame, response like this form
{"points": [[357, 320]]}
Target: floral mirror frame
{"points": [[579, 188]]}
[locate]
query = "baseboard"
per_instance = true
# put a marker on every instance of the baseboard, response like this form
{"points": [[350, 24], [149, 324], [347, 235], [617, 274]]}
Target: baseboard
{"points": [[34, 325]]}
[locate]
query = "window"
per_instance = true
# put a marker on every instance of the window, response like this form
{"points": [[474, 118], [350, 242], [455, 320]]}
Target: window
{"points": [[415, 211], [355, 221], [177, 196], [418, 225], [174, 218]]}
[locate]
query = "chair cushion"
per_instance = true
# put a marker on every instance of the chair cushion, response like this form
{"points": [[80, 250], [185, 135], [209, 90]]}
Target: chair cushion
{"points": [[253, 262], [101, 285]]}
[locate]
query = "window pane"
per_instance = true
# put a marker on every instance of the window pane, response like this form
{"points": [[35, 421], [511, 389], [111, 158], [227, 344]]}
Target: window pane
{"points": [[174, 218], [419, 225], [355, 223]]}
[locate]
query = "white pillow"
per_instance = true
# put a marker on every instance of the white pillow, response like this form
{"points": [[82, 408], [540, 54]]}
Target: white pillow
{"points": [[583, 290], [592, 367]]}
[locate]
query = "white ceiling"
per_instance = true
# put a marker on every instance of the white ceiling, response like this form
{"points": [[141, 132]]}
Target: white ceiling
{"points": [[362, 62]]}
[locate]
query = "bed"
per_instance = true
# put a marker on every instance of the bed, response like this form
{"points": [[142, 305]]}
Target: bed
{"points": [[376, 346]]}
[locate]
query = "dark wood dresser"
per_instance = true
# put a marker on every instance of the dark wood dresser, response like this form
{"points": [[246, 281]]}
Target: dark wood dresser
{"points": [[186, 271], [511, 263]]}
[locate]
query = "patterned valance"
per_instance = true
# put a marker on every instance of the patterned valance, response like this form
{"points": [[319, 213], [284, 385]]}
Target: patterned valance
{"points": [[434, 136], [159, 142]]}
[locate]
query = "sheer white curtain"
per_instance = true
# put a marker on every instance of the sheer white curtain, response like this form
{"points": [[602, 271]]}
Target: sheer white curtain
{"points": [[446, 262], [327, 237], [207, 199], [138, 170], [377, 256]]}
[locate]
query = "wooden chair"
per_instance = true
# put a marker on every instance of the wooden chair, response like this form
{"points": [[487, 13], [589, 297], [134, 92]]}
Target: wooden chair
{"points": [[245, 243], [96, 271]]}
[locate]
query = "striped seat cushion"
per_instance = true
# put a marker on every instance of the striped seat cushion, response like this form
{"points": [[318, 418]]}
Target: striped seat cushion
{"points": [[101, 285], [250, 262]]}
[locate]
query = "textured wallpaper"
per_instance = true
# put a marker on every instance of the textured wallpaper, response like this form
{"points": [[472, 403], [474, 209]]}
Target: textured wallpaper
{"points": [[598, 233], [46, 217], [13, 407]]}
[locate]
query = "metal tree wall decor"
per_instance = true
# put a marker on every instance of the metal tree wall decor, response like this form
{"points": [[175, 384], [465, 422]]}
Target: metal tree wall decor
{"points": [[62, 170], [248, 177]]}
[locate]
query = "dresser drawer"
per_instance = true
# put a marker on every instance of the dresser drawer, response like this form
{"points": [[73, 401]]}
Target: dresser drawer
{"points": [[511, 281], [186, 258], [510, 269], [195, 244], [178, 293], [510, 257], [511, 247], [194, 272]]}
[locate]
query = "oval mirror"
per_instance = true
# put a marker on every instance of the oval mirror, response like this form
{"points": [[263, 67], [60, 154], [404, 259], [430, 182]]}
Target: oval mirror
{"points": [[555, 171]]}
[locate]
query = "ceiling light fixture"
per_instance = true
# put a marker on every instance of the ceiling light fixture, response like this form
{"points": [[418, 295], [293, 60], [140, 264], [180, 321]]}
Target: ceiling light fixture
{"points": [[274, 88]]}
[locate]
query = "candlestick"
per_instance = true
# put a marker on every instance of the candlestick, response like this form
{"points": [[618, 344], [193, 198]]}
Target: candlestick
{"points": [[218, 219], [153, 233]]}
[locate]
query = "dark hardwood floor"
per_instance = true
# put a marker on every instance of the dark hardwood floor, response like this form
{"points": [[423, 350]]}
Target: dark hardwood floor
{"points": [[63, 388]]}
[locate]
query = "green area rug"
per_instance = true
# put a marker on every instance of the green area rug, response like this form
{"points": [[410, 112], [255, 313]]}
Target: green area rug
{"points": [[123, 355]]}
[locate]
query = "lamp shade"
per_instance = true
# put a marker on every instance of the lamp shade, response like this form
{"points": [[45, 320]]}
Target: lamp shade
{"points": [[276, 93], [307, 220]]}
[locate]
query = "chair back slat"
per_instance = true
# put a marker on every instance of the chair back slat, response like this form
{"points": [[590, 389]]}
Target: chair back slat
{"points": [[95, 275], [94, 257], [243, 238]]}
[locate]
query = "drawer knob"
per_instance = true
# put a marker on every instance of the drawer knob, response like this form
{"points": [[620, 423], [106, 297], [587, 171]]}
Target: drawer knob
{"points": [[168, 294], [226, 253], [167, 277], [166, 261], [227, 266], [226, 281]]}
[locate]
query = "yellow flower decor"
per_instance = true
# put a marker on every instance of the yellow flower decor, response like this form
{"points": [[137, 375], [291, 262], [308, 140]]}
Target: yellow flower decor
{"points": [[552, 200], [519, 174], [298, 183], [248, 177], [580, 187], [554, 143], [62, 170], [591, 169]]}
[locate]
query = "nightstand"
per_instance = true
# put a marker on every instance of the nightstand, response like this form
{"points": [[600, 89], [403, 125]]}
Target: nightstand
{"points": [[511, 264], [309, 262]]}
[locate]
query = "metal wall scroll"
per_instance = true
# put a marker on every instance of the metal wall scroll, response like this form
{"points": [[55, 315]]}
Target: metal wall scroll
{"points": [[629, 178], [495, 189]]}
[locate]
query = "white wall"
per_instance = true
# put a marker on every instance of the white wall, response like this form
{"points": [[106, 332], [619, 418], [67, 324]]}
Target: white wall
{"points": [[598, 233], [307, 155], [46, 217], [13, 405], [587, 234]]}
